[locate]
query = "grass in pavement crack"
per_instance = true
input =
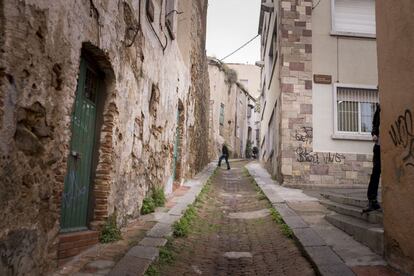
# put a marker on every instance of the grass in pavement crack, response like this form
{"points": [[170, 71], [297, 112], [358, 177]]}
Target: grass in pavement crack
{"points": [[275, 214], [166, 256], [181, 228]]}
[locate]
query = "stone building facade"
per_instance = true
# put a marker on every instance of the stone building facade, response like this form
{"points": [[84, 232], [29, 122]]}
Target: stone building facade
{"points": [[232, 111], [300, 142], [93, 94], [396, 69]]}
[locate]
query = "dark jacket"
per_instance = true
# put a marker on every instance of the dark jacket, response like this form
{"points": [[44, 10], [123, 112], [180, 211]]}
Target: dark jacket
{"points": [[224, 150], [376, 122]]}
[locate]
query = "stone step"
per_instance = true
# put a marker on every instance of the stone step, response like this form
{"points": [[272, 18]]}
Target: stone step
{"points": [[347, 200], [71, 244], [366, 233], [374, 217]]}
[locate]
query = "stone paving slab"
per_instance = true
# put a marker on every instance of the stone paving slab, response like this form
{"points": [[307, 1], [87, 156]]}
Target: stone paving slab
{"points": [[166, 218], [284, 210], [154, 242], [129, 266], [178, 209], [308, 237], [322, 255], [274, 197], [188, 198], [160, 230], [99, 265], [336, 269], [295, 222], [144, 252]]}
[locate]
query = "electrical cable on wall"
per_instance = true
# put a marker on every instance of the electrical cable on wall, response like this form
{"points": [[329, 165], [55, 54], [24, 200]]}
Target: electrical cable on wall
{"points": [[245, 44], [178, 12], [155, 32]]}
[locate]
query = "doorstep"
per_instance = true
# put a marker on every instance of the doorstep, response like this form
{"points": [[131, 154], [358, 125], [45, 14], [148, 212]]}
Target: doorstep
{"points": [[71, 244]]}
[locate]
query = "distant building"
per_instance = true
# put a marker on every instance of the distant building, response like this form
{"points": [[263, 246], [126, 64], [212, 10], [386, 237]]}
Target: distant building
{"points": [[318, 90], [233, 111], [249, 76]]}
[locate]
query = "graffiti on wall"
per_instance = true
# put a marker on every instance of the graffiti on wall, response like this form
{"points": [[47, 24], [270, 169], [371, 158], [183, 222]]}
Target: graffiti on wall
{"points": [[305, 134], [303, 155], [402, 135]]}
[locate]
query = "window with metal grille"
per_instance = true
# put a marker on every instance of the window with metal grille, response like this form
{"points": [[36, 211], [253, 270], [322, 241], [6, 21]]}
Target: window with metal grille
{"points": [[355, 108], [353, 17], [221, 120]]}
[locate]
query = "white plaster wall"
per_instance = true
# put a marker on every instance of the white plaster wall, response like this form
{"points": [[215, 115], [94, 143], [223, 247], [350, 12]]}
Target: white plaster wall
{"points": [[218, 95], [235, 104], [323, 126], [348, 60], [270, 84], [251, 73]]}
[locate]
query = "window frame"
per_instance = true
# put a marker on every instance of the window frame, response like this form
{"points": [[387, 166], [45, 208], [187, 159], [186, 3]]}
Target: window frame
{"points": [[348, 135], [335, 32]]}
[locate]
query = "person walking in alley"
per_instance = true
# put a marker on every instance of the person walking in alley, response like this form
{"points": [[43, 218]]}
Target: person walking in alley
{"points": [[224, 155], [372, 192]]}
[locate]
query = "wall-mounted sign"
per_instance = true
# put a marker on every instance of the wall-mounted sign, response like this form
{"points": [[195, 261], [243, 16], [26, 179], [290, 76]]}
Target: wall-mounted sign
{"points": [[322, 79]]}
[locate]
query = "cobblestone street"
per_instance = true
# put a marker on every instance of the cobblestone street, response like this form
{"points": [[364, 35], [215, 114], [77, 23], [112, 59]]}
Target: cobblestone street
{"points": [[234, 234]]}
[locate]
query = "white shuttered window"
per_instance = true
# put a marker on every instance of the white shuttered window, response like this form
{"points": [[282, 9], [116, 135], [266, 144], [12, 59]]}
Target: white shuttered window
{"points": [[353, 17]]}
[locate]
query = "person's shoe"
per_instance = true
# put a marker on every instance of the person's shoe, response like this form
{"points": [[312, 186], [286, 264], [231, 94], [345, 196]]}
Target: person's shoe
{"points": [[373, 205], [228, 168]]}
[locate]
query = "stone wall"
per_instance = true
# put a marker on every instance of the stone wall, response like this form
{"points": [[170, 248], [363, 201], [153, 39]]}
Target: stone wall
{"points": [[199, 93], [295, 40], [145, 76]]}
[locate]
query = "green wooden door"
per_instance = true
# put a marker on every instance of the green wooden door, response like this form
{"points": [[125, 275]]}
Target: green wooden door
{"points": [[176, 146], [75, 198]]}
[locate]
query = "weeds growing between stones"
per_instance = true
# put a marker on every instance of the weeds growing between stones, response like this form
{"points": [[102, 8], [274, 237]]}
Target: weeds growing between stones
{"points": [[275, 214], [156, 199], [110, 231]]}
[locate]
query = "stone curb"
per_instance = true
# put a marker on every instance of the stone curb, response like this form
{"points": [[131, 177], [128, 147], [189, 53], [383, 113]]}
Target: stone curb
{"points": [[137, 260], [325, 260]]}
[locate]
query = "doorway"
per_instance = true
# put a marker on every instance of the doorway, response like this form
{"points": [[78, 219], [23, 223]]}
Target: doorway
{"points": [[77, 185], [178, 145]]}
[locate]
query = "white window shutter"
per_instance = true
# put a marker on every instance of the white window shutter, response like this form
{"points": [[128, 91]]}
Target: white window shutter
{"points": [[354, 16]]}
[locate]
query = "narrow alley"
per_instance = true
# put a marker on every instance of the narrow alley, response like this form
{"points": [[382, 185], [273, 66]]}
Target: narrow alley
{"points": [[115, 114], [233, 233]]}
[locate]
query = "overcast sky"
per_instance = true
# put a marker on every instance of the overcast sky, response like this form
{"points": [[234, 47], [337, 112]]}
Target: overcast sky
{"points": [[231, 23]]}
